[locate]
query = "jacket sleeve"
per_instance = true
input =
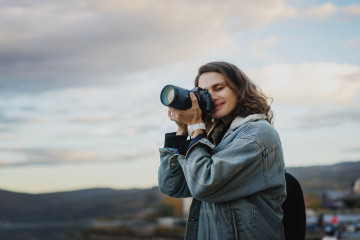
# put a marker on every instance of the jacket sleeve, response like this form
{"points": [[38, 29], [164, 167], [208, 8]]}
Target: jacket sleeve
{"points": [[171, 177], [242, 168]]}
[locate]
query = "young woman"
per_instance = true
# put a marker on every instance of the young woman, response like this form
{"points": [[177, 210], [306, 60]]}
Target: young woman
{"points": [[233, 167]]}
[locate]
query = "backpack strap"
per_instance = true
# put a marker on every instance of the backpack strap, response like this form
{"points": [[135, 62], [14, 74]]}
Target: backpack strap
{"points": [[294, 220]]}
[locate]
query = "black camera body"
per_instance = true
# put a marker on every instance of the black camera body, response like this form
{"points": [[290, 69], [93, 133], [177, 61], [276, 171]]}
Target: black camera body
{"points": [[179, 98]]}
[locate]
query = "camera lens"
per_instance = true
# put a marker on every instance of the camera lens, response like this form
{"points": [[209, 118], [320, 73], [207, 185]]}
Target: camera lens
{"points": [[167, 95], [175, 97]]}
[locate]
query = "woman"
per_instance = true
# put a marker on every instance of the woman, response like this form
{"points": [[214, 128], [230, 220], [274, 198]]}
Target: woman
{"points": [[233, 167]]}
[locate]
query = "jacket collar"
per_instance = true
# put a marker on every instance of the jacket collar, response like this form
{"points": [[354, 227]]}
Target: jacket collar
{"points": [[238, 121], [216, 132]]}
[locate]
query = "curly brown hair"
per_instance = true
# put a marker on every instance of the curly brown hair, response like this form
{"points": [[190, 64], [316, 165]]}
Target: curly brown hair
{"points": [[251, 100]]}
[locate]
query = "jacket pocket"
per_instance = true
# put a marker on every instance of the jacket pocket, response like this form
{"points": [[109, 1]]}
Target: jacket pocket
{"points": [[243, 217]]}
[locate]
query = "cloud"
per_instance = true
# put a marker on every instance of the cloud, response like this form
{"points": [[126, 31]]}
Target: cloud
{"points": [[261, 47], [27, 156], [323, 93], [46, 156], [325, 117], [65, 44], [47, 45], [89, 119], [309, 83], [354, 42], [352, 149], [50, 45], [321, 12], [17, 120], [352, 9], [328, 11]]}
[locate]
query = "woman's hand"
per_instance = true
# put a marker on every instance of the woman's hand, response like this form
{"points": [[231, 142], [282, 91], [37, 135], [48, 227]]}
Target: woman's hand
{"points": [[182, 128], [182, 118]]}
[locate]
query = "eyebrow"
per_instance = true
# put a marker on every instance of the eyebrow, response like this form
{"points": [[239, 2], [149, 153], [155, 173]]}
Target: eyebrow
{"points": [[217, 84]]}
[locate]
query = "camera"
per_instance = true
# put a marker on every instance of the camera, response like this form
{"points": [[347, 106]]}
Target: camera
{"points": [[179, 98]]}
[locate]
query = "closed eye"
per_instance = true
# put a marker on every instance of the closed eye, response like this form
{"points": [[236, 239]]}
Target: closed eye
{"points": [[219, 89]]}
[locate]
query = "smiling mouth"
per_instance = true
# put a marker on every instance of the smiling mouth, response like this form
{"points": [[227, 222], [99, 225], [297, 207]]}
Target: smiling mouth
{"points": [[218, 106]]}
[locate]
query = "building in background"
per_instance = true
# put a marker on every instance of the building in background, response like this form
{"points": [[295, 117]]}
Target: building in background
{"points": [[181, 205]]}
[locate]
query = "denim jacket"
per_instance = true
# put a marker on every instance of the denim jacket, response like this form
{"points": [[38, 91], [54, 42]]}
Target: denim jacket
{"points": [[237, 185]]}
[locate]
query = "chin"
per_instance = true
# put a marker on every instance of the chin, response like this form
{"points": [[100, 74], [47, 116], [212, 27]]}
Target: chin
{"points": [[217, 116]]}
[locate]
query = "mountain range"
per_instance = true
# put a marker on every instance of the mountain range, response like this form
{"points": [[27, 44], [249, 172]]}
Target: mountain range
{"points": [[317, 179], [76, 205], [126, 203]]}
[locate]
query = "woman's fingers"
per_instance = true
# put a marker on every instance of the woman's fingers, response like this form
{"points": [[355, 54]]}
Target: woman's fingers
{"points": [[187, 117], [193, 98], [172, 113]]}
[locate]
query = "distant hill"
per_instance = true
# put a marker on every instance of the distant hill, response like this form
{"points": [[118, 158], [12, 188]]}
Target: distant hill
{"points": [[75, 205], [107, 203], [317, 179]]}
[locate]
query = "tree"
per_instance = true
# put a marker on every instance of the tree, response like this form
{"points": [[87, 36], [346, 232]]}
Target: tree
{"points": [[166, 210]]}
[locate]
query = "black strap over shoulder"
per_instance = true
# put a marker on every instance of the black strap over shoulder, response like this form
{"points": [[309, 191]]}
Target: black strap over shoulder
{"points": [[294, 220]]}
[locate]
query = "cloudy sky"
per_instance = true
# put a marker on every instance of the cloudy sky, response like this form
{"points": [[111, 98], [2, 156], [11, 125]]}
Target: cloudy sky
{"points": [[80, 81]]}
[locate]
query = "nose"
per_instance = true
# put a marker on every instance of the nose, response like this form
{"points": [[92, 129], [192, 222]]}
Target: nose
{"points": [[213, 95]]}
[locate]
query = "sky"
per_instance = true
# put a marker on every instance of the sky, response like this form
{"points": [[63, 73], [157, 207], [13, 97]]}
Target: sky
{"points": [[80, 82]]}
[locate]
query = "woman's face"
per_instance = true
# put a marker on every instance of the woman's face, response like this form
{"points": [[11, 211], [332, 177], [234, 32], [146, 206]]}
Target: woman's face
{"points": [[224, 98]]}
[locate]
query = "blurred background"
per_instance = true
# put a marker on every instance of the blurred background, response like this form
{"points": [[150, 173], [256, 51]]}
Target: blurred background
{"points": [[80, 112]]}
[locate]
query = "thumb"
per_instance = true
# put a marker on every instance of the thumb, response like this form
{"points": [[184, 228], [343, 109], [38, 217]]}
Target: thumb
{"points": [[193, 97]]}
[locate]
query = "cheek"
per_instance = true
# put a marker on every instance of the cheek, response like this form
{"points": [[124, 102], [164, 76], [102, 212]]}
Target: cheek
{"points": [[234, 101]]}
